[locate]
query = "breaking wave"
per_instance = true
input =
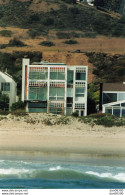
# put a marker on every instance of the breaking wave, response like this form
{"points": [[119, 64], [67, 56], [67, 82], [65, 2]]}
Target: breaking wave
{"points": [[59, 172]]}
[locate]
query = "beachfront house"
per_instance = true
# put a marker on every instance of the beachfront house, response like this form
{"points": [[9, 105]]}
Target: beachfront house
{"points": [[8, 86], [113, 98], [54, 88]]}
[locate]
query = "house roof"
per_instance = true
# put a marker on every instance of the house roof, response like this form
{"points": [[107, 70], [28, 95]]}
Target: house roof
{"points": [[113, 87]]}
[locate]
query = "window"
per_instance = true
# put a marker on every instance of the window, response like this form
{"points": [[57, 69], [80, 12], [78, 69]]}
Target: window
{"points": [[69, 92], [56, 110], [34, 75], [56, 93], [57, 75], [123, 112], [109, 97], [123, 104], [121, 96], [38, 75], [37, 105], [80, 76], [5, 86], [79, 93], [116, 112], [70, 77], [36, 93], [108, 110]]}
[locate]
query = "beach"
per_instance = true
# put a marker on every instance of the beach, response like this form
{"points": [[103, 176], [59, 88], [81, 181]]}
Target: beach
{"points": [[45, 151], [30, 134]]}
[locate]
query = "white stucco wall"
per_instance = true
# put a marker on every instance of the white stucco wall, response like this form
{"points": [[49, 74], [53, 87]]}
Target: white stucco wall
{"points": [[6, 78]]}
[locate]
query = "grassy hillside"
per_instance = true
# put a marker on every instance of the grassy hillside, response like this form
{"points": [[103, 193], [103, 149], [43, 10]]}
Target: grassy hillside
{"points": [[42, 15]]}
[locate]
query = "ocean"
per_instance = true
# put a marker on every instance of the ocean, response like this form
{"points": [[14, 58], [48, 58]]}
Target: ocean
{"points": [[19, 174]]}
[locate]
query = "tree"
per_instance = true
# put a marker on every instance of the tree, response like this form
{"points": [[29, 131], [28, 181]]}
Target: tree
{"points": [[100, 3], [93, 97], [4, 101], [113, 5]]}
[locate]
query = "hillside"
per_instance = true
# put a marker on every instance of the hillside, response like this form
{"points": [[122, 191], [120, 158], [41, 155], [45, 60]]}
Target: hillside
{"points": [[40, 16], [56, 31]]}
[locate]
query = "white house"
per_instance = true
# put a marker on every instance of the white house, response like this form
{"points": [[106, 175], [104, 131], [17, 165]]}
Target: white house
{"points": [[8, 86], [113, 98], [54, 88]]}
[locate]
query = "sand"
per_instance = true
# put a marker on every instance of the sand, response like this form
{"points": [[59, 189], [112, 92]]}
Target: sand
{"points": [[30, 134]]}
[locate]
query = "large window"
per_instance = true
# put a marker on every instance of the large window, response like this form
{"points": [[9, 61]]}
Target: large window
{"points": [[79, 93], [57, 75], [38, 75], [69, 92], [121, 96], [56, 93], [38, 93], [5, 86], [70, 77], [80, 76], [109, 97]]}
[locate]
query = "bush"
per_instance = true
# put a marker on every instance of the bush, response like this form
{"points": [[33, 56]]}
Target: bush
{"points": [[47, 43], [37, 32], [48, 22], [106, 120], [75, 114], [89, 34], [19, 113], [4, 101], [18, 105], [63, 35], [16, 43], [71, 41], [6, 33], [2, 46]]}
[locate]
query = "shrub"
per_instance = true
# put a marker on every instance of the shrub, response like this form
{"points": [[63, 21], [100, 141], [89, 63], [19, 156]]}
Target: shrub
{"points": [[63, 35], [48, 22], [106, 120], [2, 46], [47, 122], [89, 34], [6, 33], [75, 114], [19, 112], [18, 105], [16, 43], [47, 43], [71, 41], [4, 101], [37, 32]]}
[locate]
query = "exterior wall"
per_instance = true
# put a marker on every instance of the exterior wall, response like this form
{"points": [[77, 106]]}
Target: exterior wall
{"points": [[12, 93], [45, 86]]}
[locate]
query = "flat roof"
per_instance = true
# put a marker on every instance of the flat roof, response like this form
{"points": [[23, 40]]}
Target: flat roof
{"points": [[113, 87], [47, 63]]}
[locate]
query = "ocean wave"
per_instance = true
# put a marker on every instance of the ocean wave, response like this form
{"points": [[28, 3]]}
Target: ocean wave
{"points": [[54, 168], [41, 170], [120, 176]]}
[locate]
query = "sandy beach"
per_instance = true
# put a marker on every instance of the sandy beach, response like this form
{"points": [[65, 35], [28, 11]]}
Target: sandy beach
{"points": [[30, 134]]}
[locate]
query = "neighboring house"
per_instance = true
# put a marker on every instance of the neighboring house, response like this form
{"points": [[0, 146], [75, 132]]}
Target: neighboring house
{"points": [[54, 88], [8, 86], [113, 98]]}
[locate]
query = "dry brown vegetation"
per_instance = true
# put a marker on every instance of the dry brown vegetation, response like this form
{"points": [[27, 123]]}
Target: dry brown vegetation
{"points": [[62, 52], [99, 44]]}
